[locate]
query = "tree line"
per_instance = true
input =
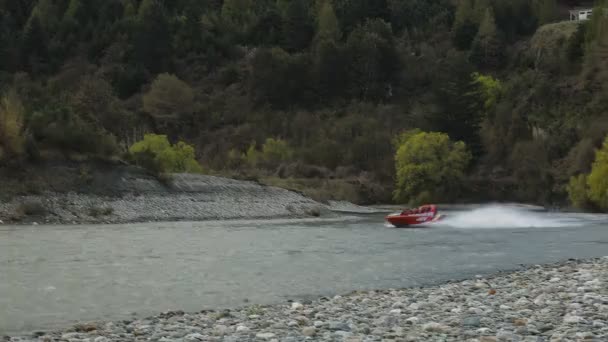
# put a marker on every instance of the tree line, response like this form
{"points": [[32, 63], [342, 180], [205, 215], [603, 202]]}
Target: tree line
{"points": [[256, 85]]}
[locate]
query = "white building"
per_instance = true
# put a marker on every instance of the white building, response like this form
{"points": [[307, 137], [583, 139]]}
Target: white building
{"points": [[581, 14]]}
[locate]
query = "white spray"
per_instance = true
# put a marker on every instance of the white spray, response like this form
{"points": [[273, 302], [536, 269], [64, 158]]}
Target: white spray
{"points": [[497, 217]]}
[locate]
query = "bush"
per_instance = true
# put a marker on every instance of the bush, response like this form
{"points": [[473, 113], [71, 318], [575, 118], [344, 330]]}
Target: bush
{"points": [[300, 170], [577, 192], [60, 128], [253, 156], [429, 167], [155, 153], [276, 151], [168, 98], [30, 208], [12, 141], [598, 178], [100, 211]]}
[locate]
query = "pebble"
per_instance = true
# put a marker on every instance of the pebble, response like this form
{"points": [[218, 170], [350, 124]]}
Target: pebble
{"points": [[435, 327], [242, 329], [527, 307], [309, 331], [265, 336]]}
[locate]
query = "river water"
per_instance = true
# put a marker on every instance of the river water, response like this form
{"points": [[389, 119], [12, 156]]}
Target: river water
{"points": [[52, 276]]}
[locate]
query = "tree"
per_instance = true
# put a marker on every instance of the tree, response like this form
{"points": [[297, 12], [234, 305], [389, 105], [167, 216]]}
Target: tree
{"points": [[420, 15], [465, 26], [280, 79], [598, 25], [155, 153], [375, 63], [597, 181], [34, 49], [268, 30], [331, 68], [12, 113], [458, 106], [276, 151], [352, 13], [328, 28], [96, 102], [9, 38], [547, 11], [429, 167], [48, 13], [152, 37], [578, 192], [489, 89], [240, 15], [168, 99], [75, 12], [487, 50], [297, 27]]}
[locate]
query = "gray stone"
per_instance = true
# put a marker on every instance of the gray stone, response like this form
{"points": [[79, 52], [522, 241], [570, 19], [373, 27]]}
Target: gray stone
{"points": [[309, 331], [435, 327], [265, 336], [333, 325], [473, 321], [194, 337]]}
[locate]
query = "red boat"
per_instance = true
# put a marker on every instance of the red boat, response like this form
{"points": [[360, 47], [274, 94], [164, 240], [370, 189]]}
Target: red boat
{"points": [[413, 217]]}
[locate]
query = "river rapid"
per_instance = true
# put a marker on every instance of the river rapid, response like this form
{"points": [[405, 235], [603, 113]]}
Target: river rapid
{"points": [[52, 276]]}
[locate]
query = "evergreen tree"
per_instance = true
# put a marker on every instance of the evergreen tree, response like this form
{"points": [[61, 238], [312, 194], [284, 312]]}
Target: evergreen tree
{"points": [[487, 50], [374, 62], [465, 26], [297, 27], [34, 48], [597, 29], [331, 64], [8, 42], [239, 15], [328, 27], [547, 11], [75, 12], [479, 10], [268, 29], [352, 13], [48, 15], [152, 36]]}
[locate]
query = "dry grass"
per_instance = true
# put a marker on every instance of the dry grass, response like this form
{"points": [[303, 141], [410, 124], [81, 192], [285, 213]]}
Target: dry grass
{"points": [[321, 190], [552, 36]]}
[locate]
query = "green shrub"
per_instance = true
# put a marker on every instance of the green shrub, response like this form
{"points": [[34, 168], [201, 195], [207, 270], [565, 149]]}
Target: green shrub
{"points": [[577, 192], [234, 160], [12, 140], [155, 153], [253, 157], [429, 167], [276, 151], [597, 181], [59, 128]]}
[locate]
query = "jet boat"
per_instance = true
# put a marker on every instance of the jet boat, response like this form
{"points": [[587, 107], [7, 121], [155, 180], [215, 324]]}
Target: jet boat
{"points": [[414, 217]]}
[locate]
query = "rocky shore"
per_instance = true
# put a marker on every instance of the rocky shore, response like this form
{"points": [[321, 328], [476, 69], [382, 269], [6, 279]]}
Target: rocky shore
{"points": [[138, 198], [560, 302]]}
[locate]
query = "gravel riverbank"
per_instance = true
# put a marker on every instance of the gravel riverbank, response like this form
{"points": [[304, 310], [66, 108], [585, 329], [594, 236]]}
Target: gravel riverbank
{"points": [[139, 198], [560, 302]]}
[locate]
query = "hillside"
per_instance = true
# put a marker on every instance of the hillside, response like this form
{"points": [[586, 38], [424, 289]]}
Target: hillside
{"points": [[309, 94]]}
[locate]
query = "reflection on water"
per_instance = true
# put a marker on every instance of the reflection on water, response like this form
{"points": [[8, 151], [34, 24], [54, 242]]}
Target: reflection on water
{"points": [[51, 275]]}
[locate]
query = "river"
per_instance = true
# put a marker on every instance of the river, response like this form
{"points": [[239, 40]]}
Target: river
{"points": [[52, 276]]}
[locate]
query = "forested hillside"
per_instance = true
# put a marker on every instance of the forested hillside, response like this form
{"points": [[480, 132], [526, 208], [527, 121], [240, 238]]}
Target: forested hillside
{"points": [[302, 89]]}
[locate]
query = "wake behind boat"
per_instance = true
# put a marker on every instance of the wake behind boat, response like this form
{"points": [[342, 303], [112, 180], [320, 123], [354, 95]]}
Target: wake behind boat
{"points": [[415, 217]]}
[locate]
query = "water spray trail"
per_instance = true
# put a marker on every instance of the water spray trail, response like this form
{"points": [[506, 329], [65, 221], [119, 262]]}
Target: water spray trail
{"points": [[496, 217]]}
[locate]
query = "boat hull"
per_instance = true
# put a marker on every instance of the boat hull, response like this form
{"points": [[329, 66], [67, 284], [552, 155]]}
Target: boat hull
{"points": [[414, 219]]}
